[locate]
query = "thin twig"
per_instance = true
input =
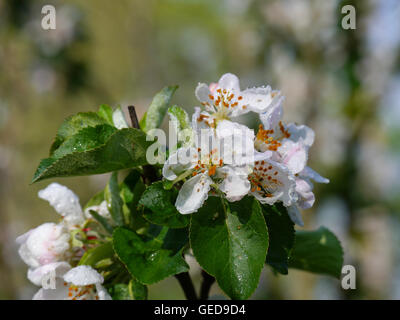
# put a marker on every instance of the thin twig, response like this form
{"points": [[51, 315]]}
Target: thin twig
{"points": [[149, 172], [133, 116], [206, 285], [187, 285]]}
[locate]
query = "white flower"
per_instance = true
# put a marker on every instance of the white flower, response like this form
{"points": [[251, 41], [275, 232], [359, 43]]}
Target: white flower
{"points": [[65, 202], [221, 159], [225, 99], [45, 244], [271, 182], [79, 283]]}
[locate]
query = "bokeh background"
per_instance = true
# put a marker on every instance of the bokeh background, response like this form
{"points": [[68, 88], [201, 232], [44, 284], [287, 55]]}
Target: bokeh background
{"points": [[345, 84]]}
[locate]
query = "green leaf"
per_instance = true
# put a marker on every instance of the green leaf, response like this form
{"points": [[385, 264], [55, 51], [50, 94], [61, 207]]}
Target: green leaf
{"points": [[153, 259], [94, 255], [161, 205], [281, 236], [126, 148], [86, 139], [157, 109], [114, 199], [73, 124], [317, 251], [106, 112], [137, 290], [231, 244]]}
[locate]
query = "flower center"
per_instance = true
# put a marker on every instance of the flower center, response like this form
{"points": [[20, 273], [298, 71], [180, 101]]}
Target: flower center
{"points": [[270, 139], [208, 162], [223, 103], [82, 292], [264, 179]]}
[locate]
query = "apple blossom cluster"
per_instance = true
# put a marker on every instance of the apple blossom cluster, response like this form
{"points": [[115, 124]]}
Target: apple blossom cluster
{"points": [[54, 250], [135, 234], [228, 158]]}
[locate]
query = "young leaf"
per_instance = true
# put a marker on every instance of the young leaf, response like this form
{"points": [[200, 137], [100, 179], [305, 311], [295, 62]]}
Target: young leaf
{"points": [[231, 244], [281, 236], [161, 205], [113, 197], [179, 118], [106, 112], [152, 260], [157, 109], [126, 148], [73, 124], [317, 251]]}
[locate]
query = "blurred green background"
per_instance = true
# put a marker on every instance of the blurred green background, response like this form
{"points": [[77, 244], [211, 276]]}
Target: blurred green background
{"points": [[345, 84]]}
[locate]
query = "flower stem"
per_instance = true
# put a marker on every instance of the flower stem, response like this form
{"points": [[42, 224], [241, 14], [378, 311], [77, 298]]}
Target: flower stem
{"points": [[208, 281], [187, 285]]}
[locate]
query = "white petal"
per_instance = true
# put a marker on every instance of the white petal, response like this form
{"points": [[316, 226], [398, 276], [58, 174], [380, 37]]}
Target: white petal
{"points": [[310, 173], [59, 293], [301, 133], [235, 184], [306, 196], [23, 237], [102, 293], [64, 201], [295, 215], [83, 276], [119, 119], [258, 99], [230, 82], [294, 155], [182, 160], [199, 123], [36, 276], [202, 92], [236, 143], [193, 194], [270, 119]]}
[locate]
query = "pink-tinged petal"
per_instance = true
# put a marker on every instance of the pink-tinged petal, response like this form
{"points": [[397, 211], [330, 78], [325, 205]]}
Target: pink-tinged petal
{"points": [[294, 155], [213, 86], [306, 196]]}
